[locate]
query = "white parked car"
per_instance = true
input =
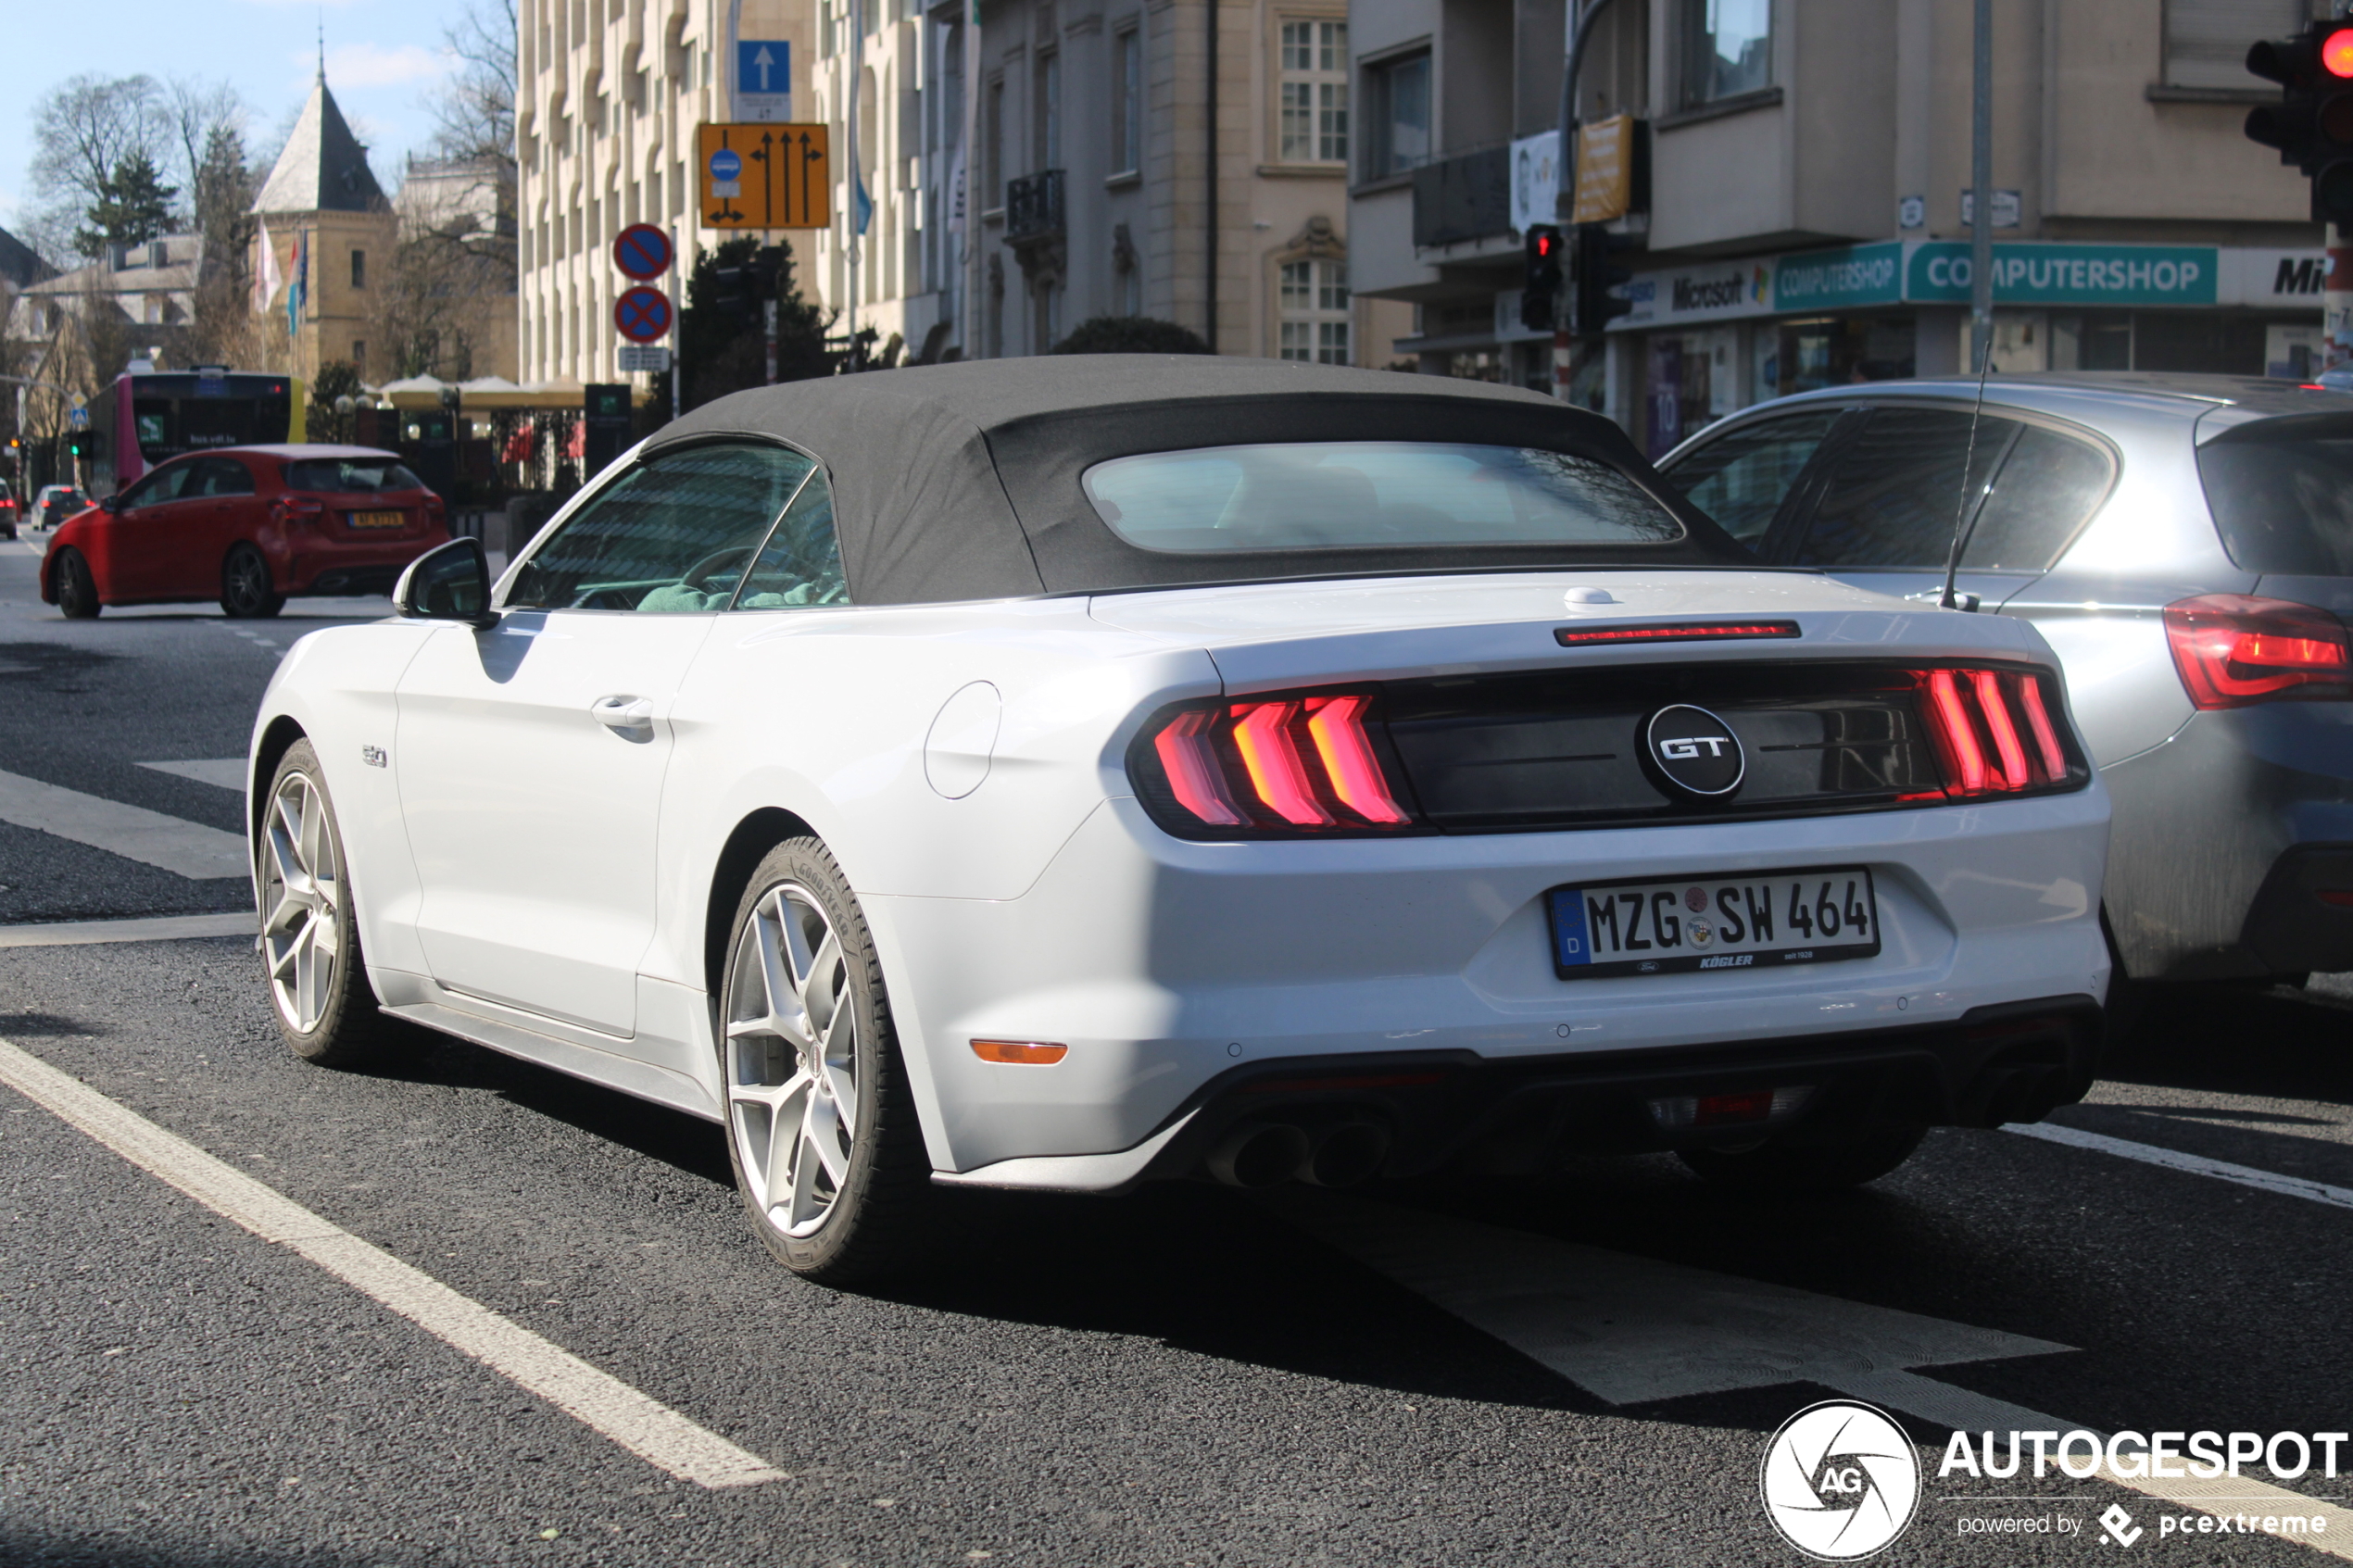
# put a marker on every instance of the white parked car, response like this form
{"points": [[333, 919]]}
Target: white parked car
{"points": [[1060, 773]]}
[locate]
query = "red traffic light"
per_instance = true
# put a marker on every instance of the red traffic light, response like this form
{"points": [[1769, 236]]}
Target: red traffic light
{"points": [[2336, 53], [1547, 245]]}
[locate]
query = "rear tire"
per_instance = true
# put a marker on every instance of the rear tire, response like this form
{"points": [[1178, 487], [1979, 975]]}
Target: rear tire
{"points": [[821, 1122], [77, 591], [310, 957], [245, 594], [1775, 1167]]}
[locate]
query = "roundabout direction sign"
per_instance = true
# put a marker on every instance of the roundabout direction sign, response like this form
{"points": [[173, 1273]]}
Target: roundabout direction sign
{"points": [[641, 251], [642, 314]]}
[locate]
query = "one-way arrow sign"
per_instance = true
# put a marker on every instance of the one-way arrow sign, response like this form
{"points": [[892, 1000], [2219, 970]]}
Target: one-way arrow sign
{"points": [[763, 79]]}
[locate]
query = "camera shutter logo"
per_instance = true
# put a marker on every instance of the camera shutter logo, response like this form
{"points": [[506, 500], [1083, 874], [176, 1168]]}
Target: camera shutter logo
{"points": [[1697, 751], [1840, 1480]]}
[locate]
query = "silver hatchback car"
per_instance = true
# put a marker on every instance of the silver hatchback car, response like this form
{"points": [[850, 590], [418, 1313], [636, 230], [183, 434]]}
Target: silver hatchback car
{"points": [[2185, 542]]}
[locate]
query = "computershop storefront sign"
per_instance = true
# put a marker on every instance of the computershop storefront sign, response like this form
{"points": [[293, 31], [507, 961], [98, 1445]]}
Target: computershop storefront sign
{"points": [[1937, 273], [1834, 280]]}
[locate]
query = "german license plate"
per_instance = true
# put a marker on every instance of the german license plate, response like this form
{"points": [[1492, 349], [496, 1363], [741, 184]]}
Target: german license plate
{"points": [[379, 520], [1742, 922]]}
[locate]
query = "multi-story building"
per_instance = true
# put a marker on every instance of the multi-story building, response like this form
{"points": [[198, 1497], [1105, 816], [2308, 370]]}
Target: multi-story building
{"points": [[1806, 217], [1094, 187], [608, 97], [1181, 160]]}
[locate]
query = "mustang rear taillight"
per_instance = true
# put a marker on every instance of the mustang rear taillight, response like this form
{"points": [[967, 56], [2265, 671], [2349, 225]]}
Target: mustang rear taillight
{"points": [[1304, 764], [1994, 732], [2234, 650]]}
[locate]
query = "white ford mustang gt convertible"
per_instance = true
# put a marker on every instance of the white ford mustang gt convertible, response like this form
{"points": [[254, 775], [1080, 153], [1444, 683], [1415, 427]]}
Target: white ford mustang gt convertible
{"points": [[1065, 773]]}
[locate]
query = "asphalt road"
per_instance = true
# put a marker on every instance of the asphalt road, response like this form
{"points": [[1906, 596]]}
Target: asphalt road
{"points": [[1184, 1376]]}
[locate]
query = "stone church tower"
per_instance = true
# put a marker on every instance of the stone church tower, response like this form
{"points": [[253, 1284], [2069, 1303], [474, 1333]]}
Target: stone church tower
{"points": [[331, 233]]}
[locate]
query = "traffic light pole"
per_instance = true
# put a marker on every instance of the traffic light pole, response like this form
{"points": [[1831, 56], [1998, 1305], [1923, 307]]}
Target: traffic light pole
{"points": [[1579, 26], [2336, 332], [1980, 239]]}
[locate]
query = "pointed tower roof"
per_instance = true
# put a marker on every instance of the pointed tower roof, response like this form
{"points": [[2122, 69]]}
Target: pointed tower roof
{"points": [[324, 168]]}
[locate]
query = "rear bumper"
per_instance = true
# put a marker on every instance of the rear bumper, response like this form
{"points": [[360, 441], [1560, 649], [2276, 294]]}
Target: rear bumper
{"points": [[2012, 1062], [1165, 967]]}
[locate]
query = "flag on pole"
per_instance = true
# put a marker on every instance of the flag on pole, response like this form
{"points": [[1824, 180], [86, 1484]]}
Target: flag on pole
{"points": [[866, 203], [298, 284], [267, 278]]}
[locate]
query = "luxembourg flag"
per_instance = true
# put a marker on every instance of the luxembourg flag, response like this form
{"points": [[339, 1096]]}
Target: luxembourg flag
{"points": [[266, 280]]}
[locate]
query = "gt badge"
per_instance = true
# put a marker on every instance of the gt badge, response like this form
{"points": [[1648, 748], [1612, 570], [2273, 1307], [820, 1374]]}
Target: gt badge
{"points": [[1695, 751]]}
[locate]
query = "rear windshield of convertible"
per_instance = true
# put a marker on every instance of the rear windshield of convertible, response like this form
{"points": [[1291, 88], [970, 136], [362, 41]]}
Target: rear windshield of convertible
{"points": [[1355, 494]]}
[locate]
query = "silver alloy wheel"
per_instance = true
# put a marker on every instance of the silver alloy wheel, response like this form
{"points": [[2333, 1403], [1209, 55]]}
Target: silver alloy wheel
{"points": [[302, 890], [249, 580], [792, 1060]]}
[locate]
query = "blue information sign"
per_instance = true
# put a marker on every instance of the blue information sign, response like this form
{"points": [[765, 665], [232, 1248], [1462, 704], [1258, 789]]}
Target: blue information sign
{"points": [[763, 67]]}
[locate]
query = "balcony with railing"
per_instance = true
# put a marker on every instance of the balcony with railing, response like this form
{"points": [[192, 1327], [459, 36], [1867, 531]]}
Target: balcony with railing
{"points": [[1463, 198], [1034, 208]]}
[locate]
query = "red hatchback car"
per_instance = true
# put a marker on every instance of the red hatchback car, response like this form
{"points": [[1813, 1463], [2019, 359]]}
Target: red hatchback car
{"points": [[247, 525]]}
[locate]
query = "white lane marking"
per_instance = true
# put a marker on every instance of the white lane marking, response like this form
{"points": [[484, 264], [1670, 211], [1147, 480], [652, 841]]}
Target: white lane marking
{"points": [[255, 638], [2195, 1164], [652, 1431], [145, 928], [1631, 1329], [132, 831], [227, 773]]}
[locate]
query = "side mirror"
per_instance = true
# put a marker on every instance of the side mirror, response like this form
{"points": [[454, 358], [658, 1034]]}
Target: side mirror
{"points": [[112, 505], [448, 582]]}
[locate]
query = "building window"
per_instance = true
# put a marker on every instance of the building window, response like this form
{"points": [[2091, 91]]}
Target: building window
{"points": [[1315, 124], [1128, 103], [1048, 143], [359, 354], [1313, 307], [1727, 48], [359, 269], [1398, 123], [2205, 40]]}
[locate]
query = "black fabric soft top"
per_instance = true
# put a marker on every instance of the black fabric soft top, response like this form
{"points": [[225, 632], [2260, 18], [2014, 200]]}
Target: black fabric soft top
{"points": [[962, 482]]}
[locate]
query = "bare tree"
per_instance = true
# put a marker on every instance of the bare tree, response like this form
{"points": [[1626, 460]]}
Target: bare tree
{"points": [[84, 129], [474, 110], [194, 114]]}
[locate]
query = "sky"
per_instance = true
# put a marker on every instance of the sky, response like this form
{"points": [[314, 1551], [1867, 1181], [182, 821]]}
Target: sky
{"points": [[383, 59]]}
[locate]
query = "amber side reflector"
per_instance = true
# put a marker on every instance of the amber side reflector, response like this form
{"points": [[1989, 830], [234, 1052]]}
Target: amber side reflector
{"points": [[1019, 1053]]}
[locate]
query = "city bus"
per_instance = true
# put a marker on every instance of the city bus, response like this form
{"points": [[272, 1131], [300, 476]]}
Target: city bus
{"points": [[149, 415]]}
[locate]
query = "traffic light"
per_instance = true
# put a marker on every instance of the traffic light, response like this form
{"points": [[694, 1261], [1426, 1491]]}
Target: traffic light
{"points": [[1540, 287], [1597, 274], [82, 443], [2312, 123], [745, 290]]}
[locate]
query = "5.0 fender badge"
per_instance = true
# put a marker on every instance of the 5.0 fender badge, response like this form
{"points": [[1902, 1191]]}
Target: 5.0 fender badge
{"points": [[1695, 751], [375, 756]]}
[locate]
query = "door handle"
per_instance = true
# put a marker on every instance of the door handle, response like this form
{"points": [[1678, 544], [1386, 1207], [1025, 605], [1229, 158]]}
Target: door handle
{"points": [[622, 712]]}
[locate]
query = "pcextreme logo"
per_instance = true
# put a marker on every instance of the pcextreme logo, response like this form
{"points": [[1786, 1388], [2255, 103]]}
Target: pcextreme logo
{"points": [[1840, 1480]]}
